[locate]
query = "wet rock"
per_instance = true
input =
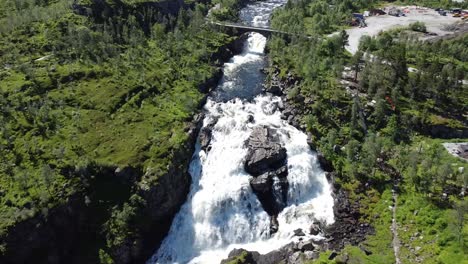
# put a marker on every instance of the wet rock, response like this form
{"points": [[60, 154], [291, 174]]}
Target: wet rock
{"points": [[299, 232], [274, 225], [282, 172], [262, 183], [314, 230], [266, 161], [274, 89], [276, 256], [295, 258], [205, 134], [205, 137], [305, 246], [265, 152], [310, 255]]}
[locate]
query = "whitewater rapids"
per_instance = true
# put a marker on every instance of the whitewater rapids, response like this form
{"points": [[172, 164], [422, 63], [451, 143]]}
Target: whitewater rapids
{"points": [[222, 212]]}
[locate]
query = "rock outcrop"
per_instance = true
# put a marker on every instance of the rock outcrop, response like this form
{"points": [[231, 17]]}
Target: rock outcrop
{"points": [[347, 228], [266, 161], [294, 253]]}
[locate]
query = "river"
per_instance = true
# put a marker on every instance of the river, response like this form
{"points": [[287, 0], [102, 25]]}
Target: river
{"points": [[222, 212]]}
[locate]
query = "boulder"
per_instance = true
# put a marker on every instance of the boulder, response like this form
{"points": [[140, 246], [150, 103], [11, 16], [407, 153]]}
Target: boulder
{"points": [[309, 255], [241, 256], [262, 183], [265, 158], [295, 258], [205, 137], [265, 153], [205, 134], [266, 161], [305, 246], [299, 232], [250, 119], [314, 230], [274, 88]]}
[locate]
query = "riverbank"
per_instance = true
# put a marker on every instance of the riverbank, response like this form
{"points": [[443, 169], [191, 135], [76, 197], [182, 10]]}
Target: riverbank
{"points": [[106, 139]]}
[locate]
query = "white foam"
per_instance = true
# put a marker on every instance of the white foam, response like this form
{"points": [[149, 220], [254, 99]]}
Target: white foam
{"points": [[221, 211]]}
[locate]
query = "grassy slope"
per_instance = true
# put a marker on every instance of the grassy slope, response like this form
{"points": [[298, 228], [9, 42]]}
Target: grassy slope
{"points": [[60, 114], [331, 125]]}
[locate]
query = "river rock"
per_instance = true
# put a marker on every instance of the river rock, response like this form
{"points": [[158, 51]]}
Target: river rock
{"points": [[266, 162], [205, 134], [262, 183], [235, 254], [274, 88], [274, 225], [305, 246], [314, 230], [299, 232], [205, 137], [243, 256], [265, 152]]}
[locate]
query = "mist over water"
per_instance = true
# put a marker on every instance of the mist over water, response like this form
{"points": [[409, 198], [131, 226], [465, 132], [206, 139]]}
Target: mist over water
{"points": [[222, 212]]}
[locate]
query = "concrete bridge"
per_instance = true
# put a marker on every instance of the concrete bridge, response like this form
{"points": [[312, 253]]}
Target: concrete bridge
{"points": [[241, 29]]}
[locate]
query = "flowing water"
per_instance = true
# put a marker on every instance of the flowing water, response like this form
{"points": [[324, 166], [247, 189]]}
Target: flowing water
{"points": [[222, 212]]}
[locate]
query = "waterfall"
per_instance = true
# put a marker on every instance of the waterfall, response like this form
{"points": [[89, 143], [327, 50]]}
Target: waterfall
{"points": [[221, 211]]}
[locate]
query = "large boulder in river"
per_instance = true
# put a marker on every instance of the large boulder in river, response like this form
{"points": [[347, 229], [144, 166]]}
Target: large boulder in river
{"points": [[266, 161], [265, 152]]}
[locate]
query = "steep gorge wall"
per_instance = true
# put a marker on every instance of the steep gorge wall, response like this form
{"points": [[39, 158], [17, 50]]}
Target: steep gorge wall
{"points": [[73, 231]]}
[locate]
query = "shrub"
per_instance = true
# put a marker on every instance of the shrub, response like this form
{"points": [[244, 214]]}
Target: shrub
{"points": [[418, 27]]}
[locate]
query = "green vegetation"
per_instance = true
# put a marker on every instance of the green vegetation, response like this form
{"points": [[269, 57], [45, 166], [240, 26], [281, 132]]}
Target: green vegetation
{"points": [[317, 17], [85, 96], [447, 4], [418, 27], [227, 10], [241, 259], [80, 97], [381, 131]]}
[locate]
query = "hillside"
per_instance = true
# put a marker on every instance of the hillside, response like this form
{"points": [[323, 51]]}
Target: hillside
{"points": [[382, 126], [94, 111]]}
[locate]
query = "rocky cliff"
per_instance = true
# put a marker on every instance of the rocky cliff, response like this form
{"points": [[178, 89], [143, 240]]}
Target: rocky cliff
{"points": [[74, 231]]}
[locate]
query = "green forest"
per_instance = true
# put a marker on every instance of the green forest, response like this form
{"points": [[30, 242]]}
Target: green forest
{"points": [[89, 89], [380, 132], [85, 95]]}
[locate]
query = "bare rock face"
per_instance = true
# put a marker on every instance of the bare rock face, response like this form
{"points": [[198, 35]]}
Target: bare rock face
{"points": [[205, 134], [266, 161], [265, 152]]}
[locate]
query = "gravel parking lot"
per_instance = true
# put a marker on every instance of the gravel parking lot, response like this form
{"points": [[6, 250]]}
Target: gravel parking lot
{"points": [[434, 23], [453, 148]]}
